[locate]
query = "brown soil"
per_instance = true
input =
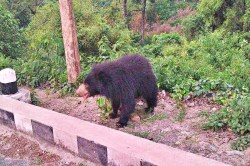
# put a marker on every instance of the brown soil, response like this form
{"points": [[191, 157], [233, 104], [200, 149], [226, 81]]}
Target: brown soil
{"points": [[166, 125], [15, 146]]}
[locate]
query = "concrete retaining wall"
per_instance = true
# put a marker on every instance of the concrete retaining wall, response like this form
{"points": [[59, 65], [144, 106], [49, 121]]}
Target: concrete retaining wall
{"points": [[99, 144]]}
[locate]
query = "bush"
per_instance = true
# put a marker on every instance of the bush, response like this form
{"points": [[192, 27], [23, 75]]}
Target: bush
{"points": [[242, 143], [193, 26], [12, 39], [235, 116], [4, 62]]}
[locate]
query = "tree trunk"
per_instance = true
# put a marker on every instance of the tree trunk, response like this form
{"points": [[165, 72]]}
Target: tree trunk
{"points": [[70, 40], [125, 12], [143, 21]]}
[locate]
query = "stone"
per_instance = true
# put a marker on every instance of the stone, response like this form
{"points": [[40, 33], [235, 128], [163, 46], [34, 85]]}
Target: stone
{"points": [[22, 95], [167, 129], [136, 118], [214, 109], [15, 162], [211, 148], [235, 152], [191, 104]]}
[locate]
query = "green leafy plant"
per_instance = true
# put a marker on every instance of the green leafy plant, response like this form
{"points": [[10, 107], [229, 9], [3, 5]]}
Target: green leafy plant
{"points": [[181, 115], [34, 99], [236, 116], [242, 143], [155, 117], [105, 107], [12, 40]]}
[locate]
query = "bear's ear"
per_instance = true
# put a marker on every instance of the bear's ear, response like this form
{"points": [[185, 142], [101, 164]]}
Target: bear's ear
{"points": [[103, 77]]}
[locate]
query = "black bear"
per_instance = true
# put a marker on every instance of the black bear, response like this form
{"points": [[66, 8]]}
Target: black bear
{"points": [[122, 81]]}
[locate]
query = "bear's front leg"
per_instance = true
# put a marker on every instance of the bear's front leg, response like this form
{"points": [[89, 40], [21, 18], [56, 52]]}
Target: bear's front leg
{"points": [[115, 107], [127, 108]]}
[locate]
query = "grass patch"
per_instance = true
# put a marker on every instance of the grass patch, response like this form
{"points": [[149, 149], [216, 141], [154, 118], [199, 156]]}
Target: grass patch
{"points": [[141, 134], [155, 117], [181, 115]]}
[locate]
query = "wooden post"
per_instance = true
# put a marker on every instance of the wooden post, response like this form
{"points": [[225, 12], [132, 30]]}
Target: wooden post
{"points": [[70, 40], [143, 21]]}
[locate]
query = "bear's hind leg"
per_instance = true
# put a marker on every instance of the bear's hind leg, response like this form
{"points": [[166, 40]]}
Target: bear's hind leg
{"points": [[115, 107], [151, 99]]}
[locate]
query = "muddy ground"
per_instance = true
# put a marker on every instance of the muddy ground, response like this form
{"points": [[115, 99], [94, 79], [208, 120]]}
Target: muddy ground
{"points": [[18, 149], [172, 124]]}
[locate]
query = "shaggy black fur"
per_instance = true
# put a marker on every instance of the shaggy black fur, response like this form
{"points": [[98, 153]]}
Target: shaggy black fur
{"points": [[122, 81]]}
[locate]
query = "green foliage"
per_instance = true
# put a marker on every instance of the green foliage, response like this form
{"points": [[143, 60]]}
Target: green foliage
{"points": [[11, 37], [224, 13], [141, 134], [208, 8], [34, 99], [163, 9], [163, 44], [181, 115], [245, 19], [236, 116], [193, 26], [155, 117], [242, 143], [4, 62], [199, 67], [35, 70], [105, 107], [22, 10], [44, 32]]}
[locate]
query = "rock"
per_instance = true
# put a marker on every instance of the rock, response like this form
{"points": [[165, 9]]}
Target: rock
{"points": [[22, 95], [16, 162], [214, 109], [136, 118], [247, 152], [188, 97], [185, 132], [177, 143], [211, 147], [163, 93], [209, 94], [235, 152], [191, 104], [168, 129]]}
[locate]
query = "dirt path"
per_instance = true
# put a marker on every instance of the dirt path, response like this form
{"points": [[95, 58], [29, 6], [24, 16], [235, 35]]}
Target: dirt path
{"points": [[168, 124], [18, 149]]}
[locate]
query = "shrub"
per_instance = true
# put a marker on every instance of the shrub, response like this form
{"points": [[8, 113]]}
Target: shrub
{"points": [[5, 62], [235, 116], [193, 26], [12, 39], [242, 143]]}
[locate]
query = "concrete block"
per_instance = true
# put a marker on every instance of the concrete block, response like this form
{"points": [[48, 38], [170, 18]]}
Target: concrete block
{"points": [[42, 131], [117, 158], [23, 124], [7, 118], [92, 151], [66, 140]]}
